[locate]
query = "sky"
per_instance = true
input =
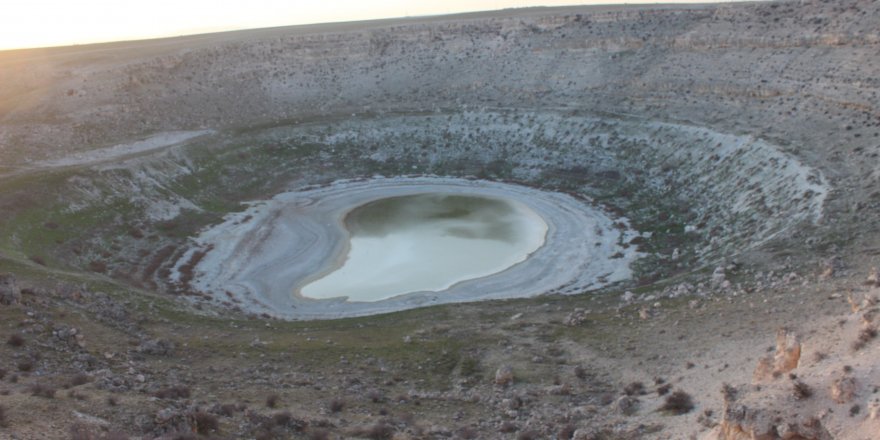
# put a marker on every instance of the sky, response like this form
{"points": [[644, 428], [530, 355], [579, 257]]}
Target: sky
{"points": [[41, 23]]}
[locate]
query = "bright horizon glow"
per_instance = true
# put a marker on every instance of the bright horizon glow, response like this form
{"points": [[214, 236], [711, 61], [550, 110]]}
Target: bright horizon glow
{"points": [[45, 23]]}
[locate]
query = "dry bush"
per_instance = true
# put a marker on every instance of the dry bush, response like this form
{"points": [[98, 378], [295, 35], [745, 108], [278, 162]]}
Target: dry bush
{"points": [[466, 433], [528, 435], [865, 336], [634, 389], [15, 340], [337, 405], [173, 392], [507, 428], [205, 423], [802, 390], [42, 390], [272, 400], [97, 266], [79, 379], [26, 366], [319, 434], [678, 403], [379, 431], [566, 432], [226, 409], [663, 390]]}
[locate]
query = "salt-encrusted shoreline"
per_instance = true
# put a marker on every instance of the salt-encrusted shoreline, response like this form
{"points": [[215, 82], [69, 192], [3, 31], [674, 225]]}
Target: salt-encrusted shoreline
{"points": [[263, 255]]}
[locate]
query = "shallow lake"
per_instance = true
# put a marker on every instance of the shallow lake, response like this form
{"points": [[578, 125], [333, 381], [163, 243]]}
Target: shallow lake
{"points": [[428, 242]]}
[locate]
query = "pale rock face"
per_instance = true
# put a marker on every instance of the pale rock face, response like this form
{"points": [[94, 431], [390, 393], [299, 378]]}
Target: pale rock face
{"points": [[785, 359], [504, 376], [843, 389], [873, 277], [9, 291]]}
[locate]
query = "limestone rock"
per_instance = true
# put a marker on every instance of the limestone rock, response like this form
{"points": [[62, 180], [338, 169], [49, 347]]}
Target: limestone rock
{"points": [[830, 268], [788, 351], [785, 359], [843, 389], [575, 318], [627, 405], [873, 277], [718, 276], [159, 347], [9, 291], [740, 422], [874, 409], [504, 376]]}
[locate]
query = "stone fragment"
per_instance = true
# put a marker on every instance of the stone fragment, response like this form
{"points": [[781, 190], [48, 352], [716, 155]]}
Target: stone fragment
{"points": [[785, 359], [873, 278], [843, 389], [504, 376], [627, 405], [10, 294]]}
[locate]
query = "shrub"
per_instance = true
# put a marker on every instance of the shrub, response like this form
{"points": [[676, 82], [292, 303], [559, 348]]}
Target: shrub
{"points": [[41, 390], [802, 390], [15, 340], [173, 392], [865, 336], [566, 432], [663, 390], [379, 431], [26, 366], [469, 366], [376, 396], [4, 423], [205, 423], [97, 266], [272, 400], [319, 434], [678, 403], [634, 389], [227, 409], [337, 405], [79, 379]]}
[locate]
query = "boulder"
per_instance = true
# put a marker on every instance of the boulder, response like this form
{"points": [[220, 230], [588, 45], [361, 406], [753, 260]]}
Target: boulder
{"points": [[504, 376], [785, 359], [9, 292], [843, 389]]}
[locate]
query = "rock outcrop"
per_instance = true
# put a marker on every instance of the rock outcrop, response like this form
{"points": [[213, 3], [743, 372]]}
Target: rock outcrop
{"points": [[9, 292], [785, 359]]}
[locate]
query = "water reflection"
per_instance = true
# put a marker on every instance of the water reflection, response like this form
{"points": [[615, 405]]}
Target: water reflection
{"points": [[429, 242]]}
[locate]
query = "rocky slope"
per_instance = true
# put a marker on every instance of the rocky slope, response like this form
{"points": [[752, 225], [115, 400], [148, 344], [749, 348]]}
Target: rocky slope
{"points": [[740, 139]]}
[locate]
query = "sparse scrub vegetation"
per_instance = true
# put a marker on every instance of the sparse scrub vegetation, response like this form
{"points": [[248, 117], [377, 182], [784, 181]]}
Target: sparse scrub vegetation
{"points": [[205, 423], [678, 403], [26, 366], [15, 340], [866, 335], [337, 405], [79, 379], [273, 400], [42, 390], [801, 390], [173, 392]]}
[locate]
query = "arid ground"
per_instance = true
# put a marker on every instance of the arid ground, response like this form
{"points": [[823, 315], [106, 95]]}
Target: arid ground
{"points": [[734, 148]]}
